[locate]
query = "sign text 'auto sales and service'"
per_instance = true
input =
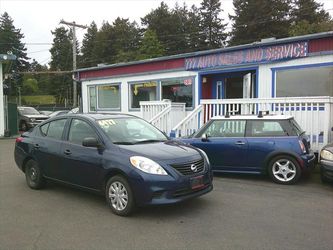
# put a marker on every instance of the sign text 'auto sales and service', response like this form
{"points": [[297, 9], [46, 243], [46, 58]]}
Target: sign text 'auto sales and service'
{"points": [[256, 55]]}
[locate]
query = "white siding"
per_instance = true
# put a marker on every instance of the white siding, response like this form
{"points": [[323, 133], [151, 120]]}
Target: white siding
{"points": [[2, 115]]}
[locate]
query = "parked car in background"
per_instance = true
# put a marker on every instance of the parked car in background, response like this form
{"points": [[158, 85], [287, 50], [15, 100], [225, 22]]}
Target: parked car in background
{"points": [[270, 144], [29, 117], [121, 156], [58, 112], [326, 163], [45, 112]]}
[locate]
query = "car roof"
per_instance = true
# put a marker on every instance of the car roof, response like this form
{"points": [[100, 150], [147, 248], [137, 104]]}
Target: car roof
{"points": [[253, 117]]}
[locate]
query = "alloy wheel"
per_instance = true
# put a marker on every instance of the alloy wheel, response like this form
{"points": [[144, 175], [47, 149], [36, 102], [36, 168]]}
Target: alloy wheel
{"points": [[284, 170]]}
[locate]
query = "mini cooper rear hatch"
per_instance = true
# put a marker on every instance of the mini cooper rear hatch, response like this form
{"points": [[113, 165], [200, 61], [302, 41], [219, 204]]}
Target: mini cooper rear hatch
{"points": [[121, 156]]}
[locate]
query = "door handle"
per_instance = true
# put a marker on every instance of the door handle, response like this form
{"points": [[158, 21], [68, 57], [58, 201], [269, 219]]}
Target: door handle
{"points": [[240, 143], [36, 146], [67, 152]]}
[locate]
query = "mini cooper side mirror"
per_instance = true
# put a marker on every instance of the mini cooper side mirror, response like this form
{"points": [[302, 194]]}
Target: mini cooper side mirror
{"points": [[204, 137]]}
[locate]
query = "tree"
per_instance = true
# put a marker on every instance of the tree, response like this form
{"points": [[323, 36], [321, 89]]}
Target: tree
{"points": [[61, 60], [88, 58], [30, 86], [127, 36], [150, 47], [194, 35], [211, 25], [162, 22], [308, 17], [258, 19], [10, 42]]}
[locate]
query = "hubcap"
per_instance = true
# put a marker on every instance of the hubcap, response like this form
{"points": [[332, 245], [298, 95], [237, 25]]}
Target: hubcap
{"points": [[33, 174], [118, 196], [284, 170]]}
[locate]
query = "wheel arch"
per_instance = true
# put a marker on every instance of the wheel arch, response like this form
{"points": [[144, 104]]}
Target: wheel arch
{"points": [[111, 173], [274, 154], [28, 158]]}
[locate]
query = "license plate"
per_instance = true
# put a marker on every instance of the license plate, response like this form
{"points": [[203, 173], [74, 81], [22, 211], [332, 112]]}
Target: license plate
{"points": [[197, 182]]}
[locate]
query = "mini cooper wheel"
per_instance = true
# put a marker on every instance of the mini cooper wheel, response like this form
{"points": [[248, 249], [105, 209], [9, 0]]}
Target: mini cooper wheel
{"points": [[33, 175], [284, 170], [119, 196]]}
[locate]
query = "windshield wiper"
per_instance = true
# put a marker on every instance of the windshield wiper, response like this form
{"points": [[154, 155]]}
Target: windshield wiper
{"points": [[123, 143], [149, 141]]}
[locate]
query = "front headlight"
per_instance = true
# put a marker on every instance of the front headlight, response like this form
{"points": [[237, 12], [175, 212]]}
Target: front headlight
{"points": [[326, 155], [147, 165]]}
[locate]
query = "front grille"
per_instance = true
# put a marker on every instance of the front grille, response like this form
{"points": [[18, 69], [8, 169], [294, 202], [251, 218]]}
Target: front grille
{"points": [[190, 168]]}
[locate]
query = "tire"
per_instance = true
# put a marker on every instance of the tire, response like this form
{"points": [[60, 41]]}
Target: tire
{"points": [[120, 201], [23, 126], [34, 175], [284, 169]]}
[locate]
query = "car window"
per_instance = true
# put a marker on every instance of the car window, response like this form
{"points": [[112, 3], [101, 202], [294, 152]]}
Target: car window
{"points": [[44, 128], [79, 130], [265, 128], [225, 128], [55, 129]]}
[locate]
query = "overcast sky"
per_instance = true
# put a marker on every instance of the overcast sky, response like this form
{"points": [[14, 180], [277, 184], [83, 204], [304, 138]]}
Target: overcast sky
{"points": [[36, 19]]}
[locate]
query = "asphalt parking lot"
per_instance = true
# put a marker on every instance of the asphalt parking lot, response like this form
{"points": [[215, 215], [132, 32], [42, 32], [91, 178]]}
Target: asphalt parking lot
{"points": [[242, 212]]}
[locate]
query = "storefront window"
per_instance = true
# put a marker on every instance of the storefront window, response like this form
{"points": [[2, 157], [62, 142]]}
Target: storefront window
{"points": [[108, 97], [310, 81], [92, 98], [178, 90], [143, 91]]}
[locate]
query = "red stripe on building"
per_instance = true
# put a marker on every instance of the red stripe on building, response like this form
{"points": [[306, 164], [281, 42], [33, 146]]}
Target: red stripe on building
{"points": [[320, 45], [133, 69]]}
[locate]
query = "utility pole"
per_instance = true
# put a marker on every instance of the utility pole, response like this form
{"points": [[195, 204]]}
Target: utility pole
{"points": [[73, 25]]}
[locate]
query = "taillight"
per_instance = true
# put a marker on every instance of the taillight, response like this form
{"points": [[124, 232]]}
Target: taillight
{"points": [[301, 144], [19, 139]]}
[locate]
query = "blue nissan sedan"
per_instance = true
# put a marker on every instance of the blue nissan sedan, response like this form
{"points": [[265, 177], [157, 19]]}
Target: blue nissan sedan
{"points": [[120, 156]]}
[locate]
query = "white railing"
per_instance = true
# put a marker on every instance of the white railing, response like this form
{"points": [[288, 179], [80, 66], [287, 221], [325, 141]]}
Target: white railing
{"points": [[164, 114], [314, 114], [189, 124], [149, 109]]}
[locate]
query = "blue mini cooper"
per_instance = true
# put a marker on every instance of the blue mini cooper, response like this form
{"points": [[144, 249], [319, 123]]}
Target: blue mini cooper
{"points": [[256, 144]]}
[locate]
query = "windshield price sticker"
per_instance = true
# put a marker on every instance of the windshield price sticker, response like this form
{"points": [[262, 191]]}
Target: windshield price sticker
{"points": [[106, 123]]}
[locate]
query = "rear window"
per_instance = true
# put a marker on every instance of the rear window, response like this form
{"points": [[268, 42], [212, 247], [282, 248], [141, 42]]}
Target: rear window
{"points": [[264, 128], [296, 127], [53, 129]]}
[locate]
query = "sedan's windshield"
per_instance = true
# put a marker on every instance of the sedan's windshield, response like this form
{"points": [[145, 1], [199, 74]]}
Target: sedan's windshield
{"points": [[28, 111], [130, 131]]}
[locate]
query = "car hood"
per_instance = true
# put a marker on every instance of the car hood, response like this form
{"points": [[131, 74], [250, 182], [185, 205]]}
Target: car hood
{"points": [[329, 147], [168, 150], [37, 116]]}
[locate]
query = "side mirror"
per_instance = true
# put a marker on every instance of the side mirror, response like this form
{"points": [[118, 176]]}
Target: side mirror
{"points": [[91, 142], [204, 137]]}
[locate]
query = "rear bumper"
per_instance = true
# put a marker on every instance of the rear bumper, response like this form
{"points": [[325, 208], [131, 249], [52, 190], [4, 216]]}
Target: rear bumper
{"points": [[308, 161]]}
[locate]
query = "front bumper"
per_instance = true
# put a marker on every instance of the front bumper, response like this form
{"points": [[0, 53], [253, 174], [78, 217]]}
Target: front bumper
{"points": [[158, 190], [326, 168]]}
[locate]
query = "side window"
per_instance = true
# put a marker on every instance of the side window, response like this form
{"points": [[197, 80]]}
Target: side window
{"points": [[44, 128], [225, 128], [56, 129], [265, 129], [79, 130]]}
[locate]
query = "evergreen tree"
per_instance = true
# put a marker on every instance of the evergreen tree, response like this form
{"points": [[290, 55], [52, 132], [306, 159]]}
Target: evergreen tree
{"points": [[194, 35], [88, 58], [127, 36], [308, 17], [150, 47], [211, 25], [61, 60], [258, 19], [162, 22], [10, 42]]}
